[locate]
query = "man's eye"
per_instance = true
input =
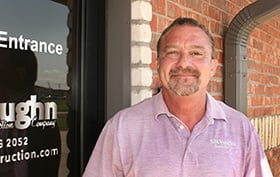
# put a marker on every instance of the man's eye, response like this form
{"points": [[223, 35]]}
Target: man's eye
{"points": [[196, 53], [173, 52]]}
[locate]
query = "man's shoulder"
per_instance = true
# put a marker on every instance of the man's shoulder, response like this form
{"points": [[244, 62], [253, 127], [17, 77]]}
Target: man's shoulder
{"points": [[234, 117], [141, 110], [222, 109], [230, 111]]}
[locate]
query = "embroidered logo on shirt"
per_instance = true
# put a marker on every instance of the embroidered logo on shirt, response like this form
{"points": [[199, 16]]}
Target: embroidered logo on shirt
{"points": [[220, 143]]}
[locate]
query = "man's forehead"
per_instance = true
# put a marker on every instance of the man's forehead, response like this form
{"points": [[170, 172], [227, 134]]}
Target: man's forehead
{"points": [[196, 39], [191, 39], [185, 30]]}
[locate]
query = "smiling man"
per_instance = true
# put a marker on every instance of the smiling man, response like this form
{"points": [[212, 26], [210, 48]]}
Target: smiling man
{"points": [[185, 66], [182, 131]]}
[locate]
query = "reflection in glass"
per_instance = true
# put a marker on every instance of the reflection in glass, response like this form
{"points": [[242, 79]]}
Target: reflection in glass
{"points": [[33, 73]]}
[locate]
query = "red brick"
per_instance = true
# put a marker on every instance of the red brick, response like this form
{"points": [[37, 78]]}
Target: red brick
{"points": [[154, 23], [214, 13], [186, 13], [218, 43], [159, 6], [162, 24], [173, 10]]}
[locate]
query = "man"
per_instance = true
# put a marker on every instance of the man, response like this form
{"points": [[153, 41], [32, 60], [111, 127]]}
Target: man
{"points": [[182, 131]]}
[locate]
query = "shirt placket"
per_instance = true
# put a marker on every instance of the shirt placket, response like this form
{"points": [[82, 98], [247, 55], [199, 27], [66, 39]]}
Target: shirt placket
{"points": [[190, 157]]}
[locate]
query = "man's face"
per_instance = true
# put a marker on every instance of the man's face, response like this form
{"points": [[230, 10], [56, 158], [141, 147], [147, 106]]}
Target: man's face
{"points": [[185, 65]]}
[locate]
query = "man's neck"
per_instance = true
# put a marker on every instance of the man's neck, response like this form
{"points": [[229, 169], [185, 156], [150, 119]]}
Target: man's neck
{"points": [[189, 109]]}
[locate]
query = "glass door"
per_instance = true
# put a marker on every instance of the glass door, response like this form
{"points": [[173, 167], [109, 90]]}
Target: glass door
{"points": [[33, 88]]}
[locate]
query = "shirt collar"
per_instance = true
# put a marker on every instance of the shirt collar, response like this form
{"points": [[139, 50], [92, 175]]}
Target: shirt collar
{"points": [[159, 106], [213, 108]]}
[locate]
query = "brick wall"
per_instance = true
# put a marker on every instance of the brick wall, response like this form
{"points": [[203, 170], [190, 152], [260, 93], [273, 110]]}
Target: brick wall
{"points": [[263, 53], [264, 69]]}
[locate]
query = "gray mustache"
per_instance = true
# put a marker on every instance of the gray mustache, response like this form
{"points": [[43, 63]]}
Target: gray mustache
{"points": [[187, 70]]}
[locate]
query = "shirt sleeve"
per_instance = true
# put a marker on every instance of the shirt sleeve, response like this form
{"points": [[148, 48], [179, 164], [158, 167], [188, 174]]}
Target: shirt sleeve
{"points": [[257, 164], [105, 159]]}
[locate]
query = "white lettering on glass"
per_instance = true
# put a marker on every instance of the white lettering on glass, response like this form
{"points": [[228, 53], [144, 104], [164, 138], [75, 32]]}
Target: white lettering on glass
{"points": [[28, 113], [23, 43]]}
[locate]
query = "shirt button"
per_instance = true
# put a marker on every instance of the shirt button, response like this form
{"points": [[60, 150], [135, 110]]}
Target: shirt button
{"points": [[181, 127]]}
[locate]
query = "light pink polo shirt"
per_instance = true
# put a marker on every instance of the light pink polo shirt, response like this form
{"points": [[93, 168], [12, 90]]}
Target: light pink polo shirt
{"points": [[146, 140]]}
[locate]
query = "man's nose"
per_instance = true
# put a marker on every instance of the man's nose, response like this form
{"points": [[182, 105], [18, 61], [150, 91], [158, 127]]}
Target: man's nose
{"points": [[185, 60]]}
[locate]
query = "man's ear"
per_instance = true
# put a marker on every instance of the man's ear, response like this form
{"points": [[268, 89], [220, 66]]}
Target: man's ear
{"points": [[158, 64], [214, 66]]}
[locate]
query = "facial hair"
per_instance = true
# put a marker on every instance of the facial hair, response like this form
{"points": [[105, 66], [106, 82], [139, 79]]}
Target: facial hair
{"points": [[184, 86]]}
